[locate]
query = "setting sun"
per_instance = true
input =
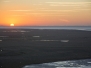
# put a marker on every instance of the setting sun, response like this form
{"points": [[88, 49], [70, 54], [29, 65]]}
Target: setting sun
{"points": [[45, 13], [11, 24]]}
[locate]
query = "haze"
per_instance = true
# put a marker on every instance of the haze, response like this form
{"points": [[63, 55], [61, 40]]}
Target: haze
{"points": [[45, 12]]}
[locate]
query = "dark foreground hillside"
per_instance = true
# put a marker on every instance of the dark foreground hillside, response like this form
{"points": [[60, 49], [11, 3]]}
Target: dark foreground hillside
{"points": [[24, 47]]}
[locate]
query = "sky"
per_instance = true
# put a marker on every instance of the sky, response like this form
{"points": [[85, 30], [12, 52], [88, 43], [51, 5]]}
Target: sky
{"points": [[45, 12]]}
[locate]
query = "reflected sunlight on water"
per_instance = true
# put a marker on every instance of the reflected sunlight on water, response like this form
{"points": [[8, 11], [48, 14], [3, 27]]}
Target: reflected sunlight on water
{"points": [[52, 40], [64, 40], [63, 64], [36, 36], [1, 40]]}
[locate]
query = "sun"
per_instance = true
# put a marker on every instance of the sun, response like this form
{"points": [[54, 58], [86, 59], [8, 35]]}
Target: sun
{"points": [[12, 24]]}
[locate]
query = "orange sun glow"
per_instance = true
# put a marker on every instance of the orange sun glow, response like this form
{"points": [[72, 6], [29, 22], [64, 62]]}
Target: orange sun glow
{"points": [[11, 24]]}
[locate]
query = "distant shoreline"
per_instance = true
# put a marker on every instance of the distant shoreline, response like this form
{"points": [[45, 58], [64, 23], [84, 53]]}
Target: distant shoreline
{"points": [[82, 28]]}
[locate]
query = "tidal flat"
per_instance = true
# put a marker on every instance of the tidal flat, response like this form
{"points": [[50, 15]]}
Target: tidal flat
{"points": [[20, 47]]}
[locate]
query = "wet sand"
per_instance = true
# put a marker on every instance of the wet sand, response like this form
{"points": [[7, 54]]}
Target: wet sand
{"points": [[19, 47]]}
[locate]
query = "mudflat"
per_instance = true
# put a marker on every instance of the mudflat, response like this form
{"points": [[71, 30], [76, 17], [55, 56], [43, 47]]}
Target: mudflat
{"points": [[20, 47]]}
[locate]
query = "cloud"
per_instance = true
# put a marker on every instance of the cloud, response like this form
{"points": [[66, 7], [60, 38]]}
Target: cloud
{"points": [[47, 14], [42, 8], [37, 4], [84, 9], [20, 10], [53, 15], [48, 10], [68, 3], [64, 20], [34, 13], [6, 1], [58, 10], [65, 5], [17, 15]]}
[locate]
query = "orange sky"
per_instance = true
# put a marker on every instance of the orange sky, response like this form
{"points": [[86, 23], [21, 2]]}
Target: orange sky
{"points": [[45, 12]]}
